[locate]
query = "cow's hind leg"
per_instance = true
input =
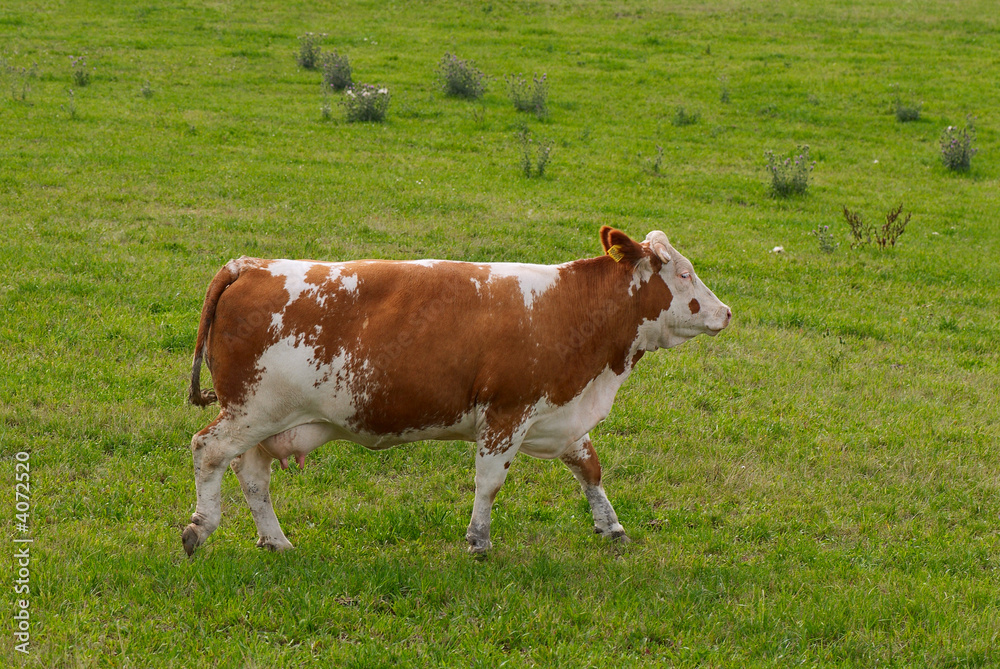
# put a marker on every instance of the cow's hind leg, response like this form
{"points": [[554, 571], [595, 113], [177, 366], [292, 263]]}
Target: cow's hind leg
{"points": [[582, 461], [253, 469], [212, 450]]}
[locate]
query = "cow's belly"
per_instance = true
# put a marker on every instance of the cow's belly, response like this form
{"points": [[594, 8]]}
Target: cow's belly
{"points": [[300, 440], [312, 404], [463, 430]]}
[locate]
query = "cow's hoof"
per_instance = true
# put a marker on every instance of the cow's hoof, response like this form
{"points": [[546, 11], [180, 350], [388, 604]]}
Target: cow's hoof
{"points": [[620, 537], [480, 546], [275, 545], [617, 536], [191, 539]]}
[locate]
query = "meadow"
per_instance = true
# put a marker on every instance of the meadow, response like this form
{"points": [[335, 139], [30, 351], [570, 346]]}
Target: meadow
{"points": [[817, 486]]}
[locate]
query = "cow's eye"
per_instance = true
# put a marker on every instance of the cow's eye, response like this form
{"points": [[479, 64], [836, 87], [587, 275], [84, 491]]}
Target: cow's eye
{"points": [[685, 275]]}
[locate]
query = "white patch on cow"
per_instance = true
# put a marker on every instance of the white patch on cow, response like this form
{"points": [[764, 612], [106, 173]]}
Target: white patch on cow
{"points": [[291, 375], [294, 272], [677, 325], [533, 280], [429, 262], [553, 429], [642, 273], [349, 283], [655, 333]]}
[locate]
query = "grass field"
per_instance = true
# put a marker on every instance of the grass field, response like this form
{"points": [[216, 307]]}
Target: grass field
{"points": [[818, 486]]}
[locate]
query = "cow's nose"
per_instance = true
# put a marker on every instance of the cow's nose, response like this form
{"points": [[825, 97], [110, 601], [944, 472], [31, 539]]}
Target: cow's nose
{"points": [[727, 317]]}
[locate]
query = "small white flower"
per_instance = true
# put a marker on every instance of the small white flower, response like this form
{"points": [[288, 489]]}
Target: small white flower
{"points": [[875, 161], [778, 249], [350, 93], [383, 91]]}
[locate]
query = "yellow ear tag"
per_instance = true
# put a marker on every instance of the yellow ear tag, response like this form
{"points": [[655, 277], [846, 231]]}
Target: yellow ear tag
{"points": [[616, 253]]}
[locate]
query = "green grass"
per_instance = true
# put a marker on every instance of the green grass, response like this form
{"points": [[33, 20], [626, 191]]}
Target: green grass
{"points": [[816, 486]]}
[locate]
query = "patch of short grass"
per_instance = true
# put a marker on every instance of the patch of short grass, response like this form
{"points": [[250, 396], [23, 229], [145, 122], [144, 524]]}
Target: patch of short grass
{"points": [[814, 486]]}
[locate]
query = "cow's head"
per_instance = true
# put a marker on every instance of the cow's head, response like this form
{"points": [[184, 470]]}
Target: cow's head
{"points": [[674, 304]]}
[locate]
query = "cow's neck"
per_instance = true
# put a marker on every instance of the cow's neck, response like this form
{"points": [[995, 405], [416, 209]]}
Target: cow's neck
{"points": [[606, 327]]}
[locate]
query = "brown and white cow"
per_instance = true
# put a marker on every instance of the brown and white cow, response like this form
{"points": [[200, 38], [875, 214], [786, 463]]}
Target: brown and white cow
{"points": [[514, 357]]}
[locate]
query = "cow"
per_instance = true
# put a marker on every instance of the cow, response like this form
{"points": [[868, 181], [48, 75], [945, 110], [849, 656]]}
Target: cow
{"points": [[514, 357]]}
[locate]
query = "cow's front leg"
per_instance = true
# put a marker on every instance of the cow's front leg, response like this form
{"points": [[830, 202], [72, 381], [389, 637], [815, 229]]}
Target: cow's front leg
{"points": [[253, 469], [582, 461], [492, 463]]}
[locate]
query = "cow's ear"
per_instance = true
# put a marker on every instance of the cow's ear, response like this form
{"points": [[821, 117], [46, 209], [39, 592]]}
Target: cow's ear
{"points": [[620, 246]]}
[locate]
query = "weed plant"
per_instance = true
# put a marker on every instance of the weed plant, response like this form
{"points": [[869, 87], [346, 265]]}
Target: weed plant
{"points": [[791, 175], [864, 233], [534, 155], [336, 71], [461, 78], [147, 90], [20, 79], [957, 147], [529, 97], [861, 230], [906, 111], [309, 50], [479, 116], [81, 75], [366, 103], [326, 109], [825, 239], [70, 106], [893, 227], [724, 90], [656, 163], [682, 117], [835, 354]]}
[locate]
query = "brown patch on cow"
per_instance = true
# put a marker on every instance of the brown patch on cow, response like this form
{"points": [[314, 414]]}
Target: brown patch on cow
{"points": [[654, 298], [220, 282], [694, 306], [501, 423], [588, 468], [241, 331], [318, 274]]}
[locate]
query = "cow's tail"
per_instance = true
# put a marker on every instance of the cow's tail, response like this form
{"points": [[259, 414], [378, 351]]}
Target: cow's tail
{"points": [[222, 280]]}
